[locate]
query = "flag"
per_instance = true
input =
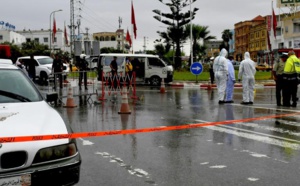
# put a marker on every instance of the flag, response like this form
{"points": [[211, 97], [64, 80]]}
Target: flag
{"points": [[274, 22], [66, 35], [54, 29], [133, 20], [128, 38]]}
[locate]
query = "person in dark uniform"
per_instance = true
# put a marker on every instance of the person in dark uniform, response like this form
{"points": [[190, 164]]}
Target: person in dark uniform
{"points": [[277, 76], [114, 71], [211, 70], [83, 64], [30, 67], [57, 68]]}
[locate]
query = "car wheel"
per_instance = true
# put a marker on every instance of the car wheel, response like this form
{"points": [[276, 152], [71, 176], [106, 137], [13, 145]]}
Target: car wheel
{"points": [[43, 78], [155, 81]]}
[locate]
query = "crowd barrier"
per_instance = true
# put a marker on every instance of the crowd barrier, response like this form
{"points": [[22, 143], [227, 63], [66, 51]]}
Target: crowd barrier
{"points": [[110, 84]]}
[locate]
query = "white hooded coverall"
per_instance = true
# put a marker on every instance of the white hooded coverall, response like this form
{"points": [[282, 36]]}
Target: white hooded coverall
{"points": [[247, 72], [220, 68]]}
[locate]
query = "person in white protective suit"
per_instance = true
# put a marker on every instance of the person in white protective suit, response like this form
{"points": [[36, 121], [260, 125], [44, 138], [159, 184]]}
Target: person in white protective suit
{"points": [[230, 81], [220, 68], [247, 72]]}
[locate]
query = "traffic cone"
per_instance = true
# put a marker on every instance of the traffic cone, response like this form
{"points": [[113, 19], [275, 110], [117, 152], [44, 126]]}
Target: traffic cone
{"points": [[162, 87], [70, 100], [124, 106]]}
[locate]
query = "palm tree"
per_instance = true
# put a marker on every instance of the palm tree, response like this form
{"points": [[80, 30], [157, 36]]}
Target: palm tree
{"points": [[200, 36], [226, 36]]}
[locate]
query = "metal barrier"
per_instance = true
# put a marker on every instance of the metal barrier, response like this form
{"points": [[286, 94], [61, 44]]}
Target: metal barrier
{"points": [[110, 84]]}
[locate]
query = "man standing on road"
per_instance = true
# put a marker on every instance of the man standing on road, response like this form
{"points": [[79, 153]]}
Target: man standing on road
{"points": [[57, 69], [247, 72], [211, 70], [230, 81], [114, 71], [220, 68], [292, 65], [277, 76], [30, 67], [83, 65]]}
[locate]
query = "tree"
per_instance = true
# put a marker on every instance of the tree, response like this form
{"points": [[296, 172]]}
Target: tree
{"points": [[175, 21], [226, 36], [200, 36]]}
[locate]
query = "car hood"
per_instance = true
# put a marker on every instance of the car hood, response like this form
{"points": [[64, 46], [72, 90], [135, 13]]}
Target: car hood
{"points": [[26, 119]]}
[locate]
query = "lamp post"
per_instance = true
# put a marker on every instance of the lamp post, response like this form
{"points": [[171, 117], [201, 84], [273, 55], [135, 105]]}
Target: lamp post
{"points": [[50, 26]]}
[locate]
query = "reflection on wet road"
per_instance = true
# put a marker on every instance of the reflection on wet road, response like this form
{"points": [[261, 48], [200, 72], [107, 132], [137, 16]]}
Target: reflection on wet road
{"points": [[240, 153]]}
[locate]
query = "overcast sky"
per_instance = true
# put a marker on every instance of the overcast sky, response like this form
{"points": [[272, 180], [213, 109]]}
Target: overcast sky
{"points": [[103, 15]]}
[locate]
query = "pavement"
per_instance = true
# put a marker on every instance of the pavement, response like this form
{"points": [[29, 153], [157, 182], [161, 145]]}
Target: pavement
{"points": [[207, 85]]}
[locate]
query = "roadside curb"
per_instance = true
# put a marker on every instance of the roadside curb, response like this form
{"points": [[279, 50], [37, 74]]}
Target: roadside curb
{"points": [[205, 85]]}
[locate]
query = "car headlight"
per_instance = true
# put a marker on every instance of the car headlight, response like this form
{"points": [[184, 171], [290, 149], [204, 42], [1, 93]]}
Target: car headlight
{"points": [[55, 153], [49, 68]]}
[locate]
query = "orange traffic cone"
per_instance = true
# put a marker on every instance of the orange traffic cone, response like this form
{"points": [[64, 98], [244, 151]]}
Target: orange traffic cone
{"points": [[162, 87], [124, 106], [70, 100]]}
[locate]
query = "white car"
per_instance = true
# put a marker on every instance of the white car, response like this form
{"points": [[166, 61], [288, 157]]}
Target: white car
{"points": [[7, 61], [43, 67], [24, 112]]}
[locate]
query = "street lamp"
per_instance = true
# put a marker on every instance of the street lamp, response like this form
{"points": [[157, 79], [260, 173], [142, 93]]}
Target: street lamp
{"points": [[50, 26]]}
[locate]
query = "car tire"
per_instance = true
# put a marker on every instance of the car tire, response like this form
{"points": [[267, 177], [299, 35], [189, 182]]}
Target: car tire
{"points": [[43, 78], [155, 81]]}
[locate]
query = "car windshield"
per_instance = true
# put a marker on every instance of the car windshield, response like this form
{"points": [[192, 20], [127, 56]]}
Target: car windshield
{"points": [[45, 61], [16, 87]]}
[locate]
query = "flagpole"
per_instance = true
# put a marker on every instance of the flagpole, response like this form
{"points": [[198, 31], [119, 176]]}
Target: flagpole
{"points": [[132, 27]]}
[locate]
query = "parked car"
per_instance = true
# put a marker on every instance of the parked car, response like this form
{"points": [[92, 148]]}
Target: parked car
{"points": [[25, 112], [8, 61], [263, 67], [43, 67], [92, 62]]}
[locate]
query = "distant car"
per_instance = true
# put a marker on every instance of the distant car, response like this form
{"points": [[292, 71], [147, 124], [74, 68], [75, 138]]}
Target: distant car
{"points": [[25, 112], [263, 67], [92, 62], [43, 67]]}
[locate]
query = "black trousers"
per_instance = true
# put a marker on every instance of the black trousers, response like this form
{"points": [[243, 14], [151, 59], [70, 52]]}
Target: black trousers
{"points": [[212, 76], [290, 88], [279, 89], [83, 75]]}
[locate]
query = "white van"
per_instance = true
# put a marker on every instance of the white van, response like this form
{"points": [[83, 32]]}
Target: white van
{"points": [[148, 68]]}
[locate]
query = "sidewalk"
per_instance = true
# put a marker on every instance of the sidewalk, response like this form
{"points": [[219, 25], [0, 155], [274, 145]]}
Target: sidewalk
{"points": [[205, 84]]}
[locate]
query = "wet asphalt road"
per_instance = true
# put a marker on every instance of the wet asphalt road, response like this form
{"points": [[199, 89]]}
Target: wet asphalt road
{"points": [[261, 151]]}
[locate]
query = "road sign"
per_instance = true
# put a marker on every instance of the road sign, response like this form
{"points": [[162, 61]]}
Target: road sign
{"points": [[196, 68]]}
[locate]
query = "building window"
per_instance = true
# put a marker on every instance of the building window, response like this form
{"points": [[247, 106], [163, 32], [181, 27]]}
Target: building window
{"points": [[36, 40], [113, 38], [1, 37], [290, 44], [45, 39], [296, 27], [28, 39]]}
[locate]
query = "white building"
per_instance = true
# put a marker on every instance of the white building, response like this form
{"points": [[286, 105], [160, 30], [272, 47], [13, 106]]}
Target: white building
{"points": [[11, 37], [43, 37]]}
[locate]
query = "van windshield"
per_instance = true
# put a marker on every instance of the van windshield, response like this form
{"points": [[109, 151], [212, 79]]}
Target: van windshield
{"points": [[108, 59], [45, 61]]}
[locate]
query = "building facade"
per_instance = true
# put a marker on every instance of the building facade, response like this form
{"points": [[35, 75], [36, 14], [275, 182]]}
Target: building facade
{"points": [[11, 37]]}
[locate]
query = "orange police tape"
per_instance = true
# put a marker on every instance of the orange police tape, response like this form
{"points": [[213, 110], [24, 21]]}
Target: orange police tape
{"points": [[134, 131]]}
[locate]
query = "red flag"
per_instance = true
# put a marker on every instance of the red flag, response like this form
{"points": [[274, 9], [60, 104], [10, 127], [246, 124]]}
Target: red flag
{"points": [[54, 29], [128, 38], [66, 36], [133, 20], [274, 22]]}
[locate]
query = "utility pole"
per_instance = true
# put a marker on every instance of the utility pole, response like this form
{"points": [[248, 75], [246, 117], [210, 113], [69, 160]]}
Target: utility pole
{"points": [[145, 44]]}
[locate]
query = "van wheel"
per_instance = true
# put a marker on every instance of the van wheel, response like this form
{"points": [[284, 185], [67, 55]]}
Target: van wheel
{"points": [[43, 79], [155, 81]]}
